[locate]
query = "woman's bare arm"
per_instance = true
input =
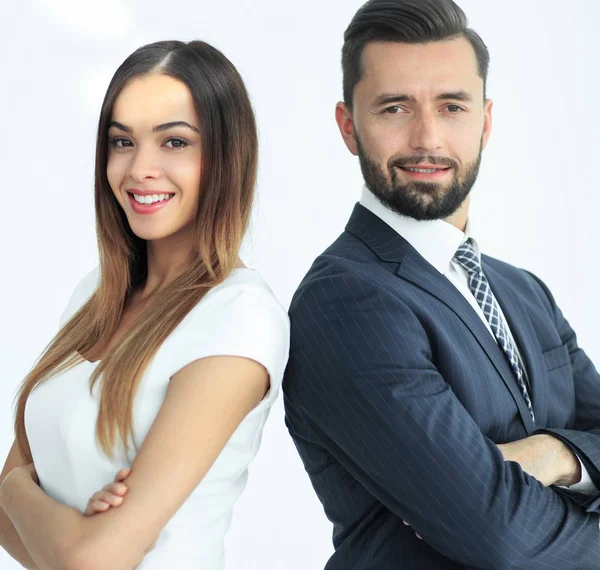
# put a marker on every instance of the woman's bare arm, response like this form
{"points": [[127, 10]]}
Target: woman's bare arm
{"points": [[9, 538], [205, 403]]}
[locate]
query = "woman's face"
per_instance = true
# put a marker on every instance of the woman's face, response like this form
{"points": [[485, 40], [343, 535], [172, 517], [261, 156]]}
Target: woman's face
{"points": [[154, 156]]}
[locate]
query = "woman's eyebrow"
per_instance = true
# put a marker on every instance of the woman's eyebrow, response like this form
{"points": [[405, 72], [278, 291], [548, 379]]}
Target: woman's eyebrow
{"points": [[167, 126], [158, 128]]}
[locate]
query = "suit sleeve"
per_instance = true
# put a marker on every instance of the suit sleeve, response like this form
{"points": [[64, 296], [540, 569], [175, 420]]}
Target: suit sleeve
{"points": [[584, 439], [363, 373]]}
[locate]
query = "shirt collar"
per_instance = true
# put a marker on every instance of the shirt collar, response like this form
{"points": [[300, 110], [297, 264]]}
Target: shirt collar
{"points": [[435, 240]]}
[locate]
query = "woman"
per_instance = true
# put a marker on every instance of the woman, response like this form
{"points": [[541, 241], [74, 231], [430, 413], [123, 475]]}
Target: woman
{"points": [[170, 355]]}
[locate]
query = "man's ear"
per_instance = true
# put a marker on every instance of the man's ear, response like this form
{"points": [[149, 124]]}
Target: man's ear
{"points": [[343, 117], [487, 124]]}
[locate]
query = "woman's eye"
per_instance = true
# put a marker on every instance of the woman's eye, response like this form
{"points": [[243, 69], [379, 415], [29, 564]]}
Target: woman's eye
{"points": [[120, 142], [175, 142]]}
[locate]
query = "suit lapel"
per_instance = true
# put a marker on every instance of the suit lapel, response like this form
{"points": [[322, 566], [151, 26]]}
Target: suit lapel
{"points": [[523, 332], [391, 247]]}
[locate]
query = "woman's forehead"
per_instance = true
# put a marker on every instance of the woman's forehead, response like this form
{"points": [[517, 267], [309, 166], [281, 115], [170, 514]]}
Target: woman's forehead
{"points": [[152, 100]]}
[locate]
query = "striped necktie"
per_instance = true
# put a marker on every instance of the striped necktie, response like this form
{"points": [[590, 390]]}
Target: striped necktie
{"points": [[478, 283]]}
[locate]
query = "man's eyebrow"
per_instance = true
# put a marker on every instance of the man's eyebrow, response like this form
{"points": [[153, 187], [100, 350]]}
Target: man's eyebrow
{"points": [[386, 99], [157, 129], [456, 96]]}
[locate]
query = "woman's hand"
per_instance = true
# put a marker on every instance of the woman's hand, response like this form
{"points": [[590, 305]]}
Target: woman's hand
{"points": [[111, 495], [31, 472], [26, 471]]}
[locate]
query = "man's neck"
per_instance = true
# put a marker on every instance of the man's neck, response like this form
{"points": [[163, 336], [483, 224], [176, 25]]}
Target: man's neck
{"points": [[460, 217]]}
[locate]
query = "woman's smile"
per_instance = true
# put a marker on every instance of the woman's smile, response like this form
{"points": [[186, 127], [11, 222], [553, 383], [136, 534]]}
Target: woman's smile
{"points": [[148, 202]]}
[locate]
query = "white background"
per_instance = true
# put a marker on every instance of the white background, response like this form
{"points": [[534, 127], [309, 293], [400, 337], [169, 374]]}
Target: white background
{"points": [[536, 198]]}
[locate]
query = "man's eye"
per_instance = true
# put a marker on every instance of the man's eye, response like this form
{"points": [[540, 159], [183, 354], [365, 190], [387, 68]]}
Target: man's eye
{"points": [[454, 108], [120, 142], [176, 142], [395, 110]]}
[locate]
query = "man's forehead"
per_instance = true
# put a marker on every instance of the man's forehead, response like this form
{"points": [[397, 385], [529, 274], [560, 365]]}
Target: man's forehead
{"points": [[454, 58]]}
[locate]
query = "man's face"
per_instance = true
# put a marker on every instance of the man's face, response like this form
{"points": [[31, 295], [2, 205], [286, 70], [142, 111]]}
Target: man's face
{"points": [[418, 124]]}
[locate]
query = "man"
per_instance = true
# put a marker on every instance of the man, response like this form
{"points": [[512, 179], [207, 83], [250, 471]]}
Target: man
{"points": [[437, 397]]}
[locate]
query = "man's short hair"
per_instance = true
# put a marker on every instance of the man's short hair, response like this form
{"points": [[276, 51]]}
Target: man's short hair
{"points": [[408, 21]]}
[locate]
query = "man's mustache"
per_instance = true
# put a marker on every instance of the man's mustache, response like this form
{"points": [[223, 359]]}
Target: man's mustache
{"points": [[402, 161]]}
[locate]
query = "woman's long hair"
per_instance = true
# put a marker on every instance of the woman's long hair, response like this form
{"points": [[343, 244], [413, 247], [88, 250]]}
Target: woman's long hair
{"points": [[229, 164]]}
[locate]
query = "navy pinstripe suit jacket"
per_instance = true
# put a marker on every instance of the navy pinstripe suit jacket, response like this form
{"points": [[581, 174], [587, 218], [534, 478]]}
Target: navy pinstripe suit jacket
{"points": [[396, 393]]}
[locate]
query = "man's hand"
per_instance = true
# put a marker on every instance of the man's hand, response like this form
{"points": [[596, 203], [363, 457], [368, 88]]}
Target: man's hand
{"points": [[544, 457]]}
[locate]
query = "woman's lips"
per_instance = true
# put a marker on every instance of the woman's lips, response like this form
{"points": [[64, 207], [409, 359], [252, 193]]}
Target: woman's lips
{"points": [[139, 208]]}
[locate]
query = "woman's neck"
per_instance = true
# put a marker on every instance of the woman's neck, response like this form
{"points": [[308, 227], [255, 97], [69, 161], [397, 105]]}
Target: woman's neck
{"points": [[167, 259]]}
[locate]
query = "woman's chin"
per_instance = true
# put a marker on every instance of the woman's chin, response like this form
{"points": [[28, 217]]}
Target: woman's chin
{"points": [[151, 233]]}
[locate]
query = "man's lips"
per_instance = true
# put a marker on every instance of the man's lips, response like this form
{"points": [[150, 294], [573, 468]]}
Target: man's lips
{"points": [[425, 171], [424, 167]]}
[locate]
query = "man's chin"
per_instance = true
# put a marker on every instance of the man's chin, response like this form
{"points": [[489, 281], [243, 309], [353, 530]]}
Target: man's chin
{"points": [[422, 191], [425, 203], [433, 190]]}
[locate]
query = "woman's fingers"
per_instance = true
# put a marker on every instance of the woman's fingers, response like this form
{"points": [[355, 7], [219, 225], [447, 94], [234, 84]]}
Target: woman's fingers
{"points": [[122, 475], [95, 506], [116, 488], [110, 498], [111, 495], [102, 501]]}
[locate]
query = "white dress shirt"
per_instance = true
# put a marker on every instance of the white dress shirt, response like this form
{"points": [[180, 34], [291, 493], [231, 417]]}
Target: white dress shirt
{"points": [[437, 241]]}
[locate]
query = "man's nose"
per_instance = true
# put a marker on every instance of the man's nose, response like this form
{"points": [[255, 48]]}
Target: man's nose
{"points": [[425, 136]]}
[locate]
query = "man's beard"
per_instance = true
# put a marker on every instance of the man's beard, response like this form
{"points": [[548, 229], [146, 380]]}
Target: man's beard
{"points": [[419, 200]]}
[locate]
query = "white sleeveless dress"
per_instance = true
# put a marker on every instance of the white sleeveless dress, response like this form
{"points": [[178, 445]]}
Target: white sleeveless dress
{"points": [[239, 317]]}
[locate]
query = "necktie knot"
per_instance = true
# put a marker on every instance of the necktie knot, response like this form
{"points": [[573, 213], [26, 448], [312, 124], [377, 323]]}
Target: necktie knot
{"points": [[468, 258]]}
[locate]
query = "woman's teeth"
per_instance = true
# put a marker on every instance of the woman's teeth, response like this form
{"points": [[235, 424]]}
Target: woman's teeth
{"points": [[151, 198]]}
